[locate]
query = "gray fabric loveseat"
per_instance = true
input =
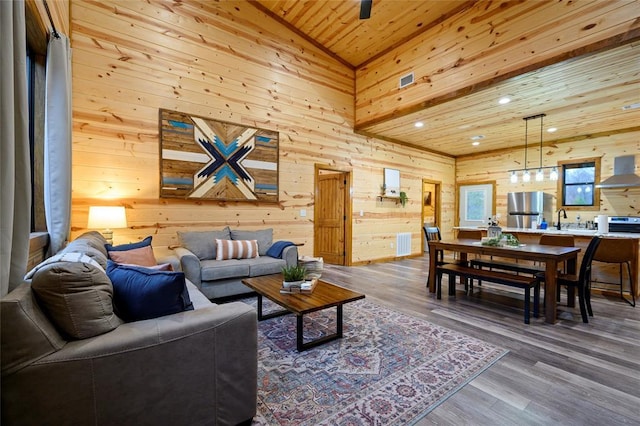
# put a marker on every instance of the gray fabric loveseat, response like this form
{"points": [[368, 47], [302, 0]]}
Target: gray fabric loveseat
{"points": [[68, 358], [219, 278]]}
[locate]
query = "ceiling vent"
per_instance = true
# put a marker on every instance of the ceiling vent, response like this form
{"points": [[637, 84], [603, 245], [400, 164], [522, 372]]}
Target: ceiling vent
{"points": [[406, 80]]}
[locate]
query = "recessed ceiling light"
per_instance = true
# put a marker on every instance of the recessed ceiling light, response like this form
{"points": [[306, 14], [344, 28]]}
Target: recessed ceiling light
{"points": [[552, 129], [477, 137], [476, 143], [419, 124], [504, 100], [632, 106]]}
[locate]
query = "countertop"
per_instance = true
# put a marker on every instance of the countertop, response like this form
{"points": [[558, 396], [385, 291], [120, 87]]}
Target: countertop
{"points": [[576, 232]]}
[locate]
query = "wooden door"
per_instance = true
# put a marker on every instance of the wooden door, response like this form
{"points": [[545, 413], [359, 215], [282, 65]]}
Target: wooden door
{"points": [[330, 217]]}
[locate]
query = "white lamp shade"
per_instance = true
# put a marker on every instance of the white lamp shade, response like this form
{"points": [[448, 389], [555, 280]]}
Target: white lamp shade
{"points": [[107, 217], [526, 177]]}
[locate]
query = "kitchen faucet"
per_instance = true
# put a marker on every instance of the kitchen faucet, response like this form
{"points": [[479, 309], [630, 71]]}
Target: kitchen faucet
{"points": [[565, 216]]}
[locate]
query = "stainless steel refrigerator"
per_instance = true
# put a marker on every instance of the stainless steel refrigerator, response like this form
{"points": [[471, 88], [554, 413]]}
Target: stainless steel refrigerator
{"points": [[523, 208]]}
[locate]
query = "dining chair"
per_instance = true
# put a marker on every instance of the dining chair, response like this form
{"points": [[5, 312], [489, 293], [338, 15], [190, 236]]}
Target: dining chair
{"points": [[621, 251], [582, 281], [432, 233]]}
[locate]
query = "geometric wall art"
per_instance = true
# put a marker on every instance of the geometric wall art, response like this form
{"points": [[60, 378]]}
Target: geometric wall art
{"points": [[204, 159]]}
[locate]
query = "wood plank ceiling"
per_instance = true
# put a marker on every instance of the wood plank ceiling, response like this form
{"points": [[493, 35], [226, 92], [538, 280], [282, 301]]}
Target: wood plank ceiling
{"points": [[581, 97]]}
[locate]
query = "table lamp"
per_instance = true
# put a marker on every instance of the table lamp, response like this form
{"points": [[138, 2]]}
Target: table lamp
{"points": [[106, 218]]}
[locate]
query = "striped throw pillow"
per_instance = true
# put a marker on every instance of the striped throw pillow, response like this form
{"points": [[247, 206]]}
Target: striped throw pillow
{"points": [[236, 249]]}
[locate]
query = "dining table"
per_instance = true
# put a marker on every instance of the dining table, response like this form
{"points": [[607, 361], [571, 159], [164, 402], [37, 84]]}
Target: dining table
{"points": [[551, 256]]}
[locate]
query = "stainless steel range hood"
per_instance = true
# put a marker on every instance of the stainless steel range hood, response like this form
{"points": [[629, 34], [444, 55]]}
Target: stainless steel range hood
{"points": [[623, 174]]}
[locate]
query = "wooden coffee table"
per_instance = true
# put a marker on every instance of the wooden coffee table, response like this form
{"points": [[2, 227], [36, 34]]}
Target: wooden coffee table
{"points": [[325, 295]]}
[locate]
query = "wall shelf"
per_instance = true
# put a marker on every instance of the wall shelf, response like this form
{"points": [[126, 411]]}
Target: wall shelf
{"points": [[382, 198]]}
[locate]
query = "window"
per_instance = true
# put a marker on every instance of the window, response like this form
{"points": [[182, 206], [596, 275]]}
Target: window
{"points": [[36, 64], [476, 205], [30, 98], [577, 184]]}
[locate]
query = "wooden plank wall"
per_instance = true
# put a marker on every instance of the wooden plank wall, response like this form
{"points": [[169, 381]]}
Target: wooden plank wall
{"points": [[614, 202], [485, 44], [228, 61]]}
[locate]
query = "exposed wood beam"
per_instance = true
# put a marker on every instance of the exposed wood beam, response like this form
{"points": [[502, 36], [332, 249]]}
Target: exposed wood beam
{"points": [[403, 143], [553, 143]]}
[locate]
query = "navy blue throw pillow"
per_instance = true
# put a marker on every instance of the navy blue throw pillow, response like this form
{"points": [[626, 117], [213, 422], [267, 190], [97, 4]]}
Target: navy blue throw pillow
{"points": [[140, 293], [130, 246]]}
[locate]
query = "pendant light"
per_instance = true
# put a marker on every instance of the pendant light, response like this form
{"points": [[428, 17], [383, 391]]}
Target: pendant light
{"points": [[526, 174], [539, 175]]}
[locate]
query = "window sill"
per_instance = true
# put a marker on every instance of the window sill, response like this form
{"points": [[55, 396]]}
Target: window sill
{"points": [[38, 241]]}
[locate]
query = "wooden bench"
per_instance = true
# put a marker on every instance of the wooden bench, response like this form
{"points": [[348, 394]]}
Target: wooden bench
{"points": [[537, 271], [506, 266], [471, 273]]}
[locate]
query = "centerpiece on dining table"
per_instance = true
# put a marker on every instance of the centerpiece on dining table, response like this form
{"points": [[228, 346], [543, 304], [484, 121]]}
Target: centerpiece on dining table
{"points": [[494, 230], [501, 240]]}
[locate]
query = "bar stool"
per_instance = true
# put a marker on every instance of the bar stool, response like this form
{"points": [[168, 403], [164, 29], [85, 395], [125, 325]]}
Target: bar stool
{"points": [[470, 234], [621, 251], [560, 241]]}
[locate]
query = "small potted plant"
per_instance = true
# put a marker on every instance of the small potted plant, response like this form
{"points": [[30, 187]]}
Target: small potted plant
{"points": [[293, 275], [403, 198]]}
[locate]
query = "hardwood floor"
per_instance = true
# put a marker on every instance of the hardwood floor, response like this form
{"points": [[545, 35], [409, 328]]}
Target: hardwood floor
{"points": [[568, 373]]}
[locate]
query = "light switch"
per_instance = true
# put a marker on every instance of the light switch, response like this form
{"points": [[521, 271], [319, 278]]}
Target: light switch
{"points": [[303, 212], [361, 212]]}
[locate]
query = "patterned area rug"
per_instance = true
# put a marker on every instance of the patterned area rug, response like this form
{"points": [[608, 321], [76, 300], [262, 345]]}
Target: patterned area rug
{"points": [[388, 369]]}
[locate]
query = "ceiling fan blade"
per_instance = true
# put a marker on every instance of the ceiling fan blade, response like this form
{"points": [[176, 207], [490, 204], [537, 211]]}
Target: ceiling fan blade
{"points": [[365, 9]]}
